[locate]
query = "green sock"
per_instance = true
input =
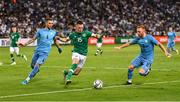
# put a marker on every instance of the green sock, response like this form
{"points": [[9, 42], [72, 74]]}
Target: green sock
{"points": [[71, 71], [12, 58], [65, 72], [20, 55]]}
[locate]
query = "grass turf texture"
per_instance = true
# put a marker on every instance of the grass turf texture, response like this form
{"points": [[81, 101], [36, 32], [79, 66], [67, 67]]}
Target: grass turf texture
{"points": [[162, 84]]}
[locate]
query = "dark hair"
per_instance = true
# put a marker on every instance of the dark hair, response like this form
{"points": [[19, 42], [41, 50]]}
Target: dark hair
{"points": [[13, 25], [79, 22]]}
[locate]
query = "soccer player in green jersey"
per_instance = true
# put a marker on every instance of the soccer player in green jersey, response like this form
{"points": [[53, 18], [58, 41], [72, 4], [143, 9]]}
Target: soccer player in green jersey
{"points": [[79, 39], [99, 44], [14, 37]]}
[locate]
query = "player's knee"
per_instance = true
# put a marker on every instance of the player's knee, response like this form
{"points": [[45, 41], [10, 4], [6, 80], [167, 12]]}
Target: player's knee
{"points": [[77, 71], [142, 72], [75, 61], [76, 74], [131, 67]]}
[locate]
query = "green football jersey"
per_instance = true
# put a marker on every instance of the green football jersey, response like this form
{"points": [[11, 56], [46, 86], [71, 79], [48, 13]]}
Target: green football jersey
{"points": [[80, 41], [100, 40], [14, 37]]}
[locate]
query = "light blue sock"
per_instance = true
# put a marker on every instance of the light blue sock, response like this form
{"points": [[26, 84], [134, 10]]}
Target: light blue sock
{"points": [[130, 73], [33, 72]]}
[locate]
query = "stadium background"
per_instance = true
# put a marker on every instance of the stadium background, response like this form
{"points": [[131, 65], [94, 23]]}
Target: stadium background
{"points": [[117, 18]]}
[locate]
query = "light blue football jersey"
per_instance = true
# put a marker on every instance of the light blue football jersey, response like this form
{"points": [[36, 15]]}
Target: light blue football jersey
{"points": [[171, 36], [45, 38], [147, 46]]}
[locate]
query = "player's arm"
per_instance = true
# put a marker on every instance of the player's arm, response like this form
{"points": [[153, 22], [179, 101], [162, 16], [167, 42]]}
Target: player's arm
{"points": [[28, 42], [163, 49], [122, 46], [96, 35], [64, 39], [56, 42], [134, 41]]}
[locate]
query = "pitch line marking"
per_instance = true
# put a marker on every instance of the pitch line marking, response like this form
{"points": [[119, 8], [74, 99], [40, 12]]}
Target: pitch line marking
{"points": [[91, 67], [84, 89]]}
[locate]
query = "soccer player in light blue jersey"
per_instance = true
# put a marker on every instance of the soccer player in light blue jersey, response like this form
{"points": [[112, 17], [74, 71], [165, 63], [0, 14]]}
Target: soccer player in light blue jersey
{"points": [[45, 38], [145, 58], [171, 43]]}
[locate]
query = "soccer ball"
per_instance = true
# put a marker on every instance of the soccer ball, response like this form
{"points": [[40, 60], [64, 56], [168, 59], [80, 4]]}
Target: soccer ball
{"points": [[97, 84]]}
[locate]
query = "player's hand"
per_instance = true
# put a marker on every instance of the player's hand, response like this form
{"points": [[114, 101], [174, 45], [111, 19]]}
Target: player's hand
{"points": [[59, 50], [20, 44], [118, 47]]}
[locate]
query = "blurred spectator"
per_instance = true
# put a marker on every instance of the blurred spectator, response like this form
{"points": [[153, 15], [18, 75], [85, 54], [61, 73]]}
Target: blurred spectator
{"points": [[116, 17]]}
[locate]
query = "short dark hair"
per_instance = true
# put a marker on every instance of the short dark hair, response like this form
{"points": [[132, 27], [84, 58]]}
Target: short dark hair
{"points": [[79, 22], [13, 25]]}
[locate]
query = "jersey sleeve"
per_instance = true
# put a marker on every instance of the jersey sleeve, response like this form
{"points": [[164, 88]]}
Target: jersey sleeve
{"points": [[89, 34], [71, 35], [153, 40], [134, 41], [56, 34], [37, 34]]}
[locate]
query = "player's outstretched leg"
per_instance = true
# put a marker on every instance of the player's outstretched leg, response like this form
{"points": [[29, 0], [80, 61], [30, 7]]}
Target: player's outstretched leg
{"points": [[97, 51], [31, 75], [12, 59], [130, 74], [100, 51], [175, 50], [143, 72], [23, 56], [65, 73], [70, 74]]}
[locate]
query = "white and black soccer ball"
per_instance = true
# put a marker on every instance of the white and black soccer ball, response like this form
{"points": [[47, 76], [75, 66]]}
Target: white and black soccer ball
{"points": [[97, 84]]}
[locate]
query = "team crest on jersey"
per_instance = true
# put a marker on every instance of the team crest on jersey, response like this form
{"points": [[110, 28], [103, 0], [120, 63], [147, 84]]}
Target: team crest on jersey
{"points": [[146, 41], [84, 35]]}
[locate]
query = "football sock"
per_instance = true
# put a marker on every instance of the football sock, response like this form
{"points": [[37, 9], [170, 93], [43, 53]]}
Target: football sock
{"points": [[130, 73], [20, 55], [173, 49], [12, 57], [71, 71], [65, 72], [33, 72]]}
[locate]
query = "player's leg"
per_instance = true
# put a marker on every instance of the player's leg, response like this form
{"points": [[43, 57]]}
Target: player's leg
{"points": [[146, 67], [80, 65], [20, 55], [34, 60], [134, 64], [12, 56], [41, 59], [174, 49], [169, 47], [75, 61], [99, 50], [130, 74]]}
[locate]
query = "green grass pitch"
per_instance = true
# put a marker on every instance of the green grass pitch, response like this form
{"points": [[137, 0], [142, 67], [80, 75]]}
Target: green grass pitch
{"points": [[162, 84]]}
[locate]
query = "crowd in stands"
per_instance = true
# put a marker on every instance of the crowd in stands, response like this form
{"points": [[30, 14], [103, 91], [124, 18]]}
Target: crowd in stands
{"points": [[114, 17]]}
